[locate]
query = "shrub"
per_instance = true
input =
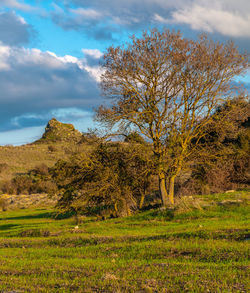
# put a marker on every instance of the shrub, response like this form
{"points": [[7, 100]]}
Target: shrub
{"points": [[48, 187], [3, 167], [52, 148], [23, 184], [113, 180], [8, 187], [3, 204], [41, 169]]}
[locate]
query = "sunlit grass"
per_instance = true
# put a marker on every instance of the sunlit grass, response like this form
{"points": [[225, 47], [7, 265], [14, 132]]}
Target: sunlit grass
{"points": [[21, 159], [203, 250]]}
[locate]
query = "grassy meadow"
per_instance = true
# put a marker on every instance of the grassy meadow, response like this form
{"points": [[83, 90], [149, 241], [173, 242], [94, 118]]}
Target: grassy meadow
{"points": [[201, 247]]}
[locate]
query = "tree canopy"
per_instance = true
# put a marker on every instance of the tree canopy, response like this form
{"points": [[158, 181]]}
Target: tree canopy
{"points": [[167, 88]]}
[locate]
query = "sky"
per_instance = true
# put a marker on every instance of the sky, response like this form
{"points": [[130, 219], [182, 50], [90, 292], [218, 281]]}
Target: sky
{"points": [[50, 52]]}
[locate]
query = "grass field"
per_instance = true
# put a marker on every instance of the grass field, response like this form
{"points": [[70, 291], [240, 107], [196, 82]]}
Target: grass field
{"points": [[188, 250]]}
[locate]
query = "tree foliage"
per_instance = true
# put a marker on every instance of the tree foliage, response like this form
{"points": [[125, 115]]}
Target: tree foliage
{"points": [[167, 88], [113, 179], [223, 160]]}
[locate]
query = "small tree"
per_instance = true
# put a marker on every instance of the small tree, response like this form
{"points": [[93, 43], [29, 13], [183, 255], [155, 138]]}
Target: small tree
{"points": [[114, 178], [167, 87]]}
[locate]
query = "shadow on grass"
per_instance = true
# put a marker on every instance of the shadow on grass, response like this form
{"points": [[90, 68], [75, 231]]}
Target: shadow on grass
{"points": [[48, 215], [7, 226], [44, 215]]}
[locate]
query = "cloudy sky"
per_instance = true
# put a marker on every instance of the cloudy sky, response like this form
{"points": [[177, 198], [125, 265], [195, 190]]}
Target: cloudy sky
{"points": [[50, 52]]}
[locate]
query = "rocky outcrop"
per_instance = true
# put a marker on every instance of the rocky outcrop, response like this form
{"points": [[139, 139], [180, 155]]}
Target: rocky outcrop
{"points": [[57, 131]]}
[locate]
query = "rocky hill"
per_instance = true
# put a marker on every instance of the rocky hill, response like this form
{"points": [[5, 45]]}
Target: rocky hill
{"points": [[59, 141], [56, 131]]}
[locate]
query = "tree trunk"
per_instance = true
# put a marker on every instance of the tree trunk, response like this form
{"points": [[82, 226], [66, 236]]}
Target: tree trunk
{"points": [[142, 200], [163, 190], [171, 189], [128, 210], [116, 210]]}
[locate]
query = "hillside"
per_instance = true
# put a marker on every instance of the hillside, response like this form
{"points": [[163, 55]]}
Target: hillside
{"points": [[59, 140]]}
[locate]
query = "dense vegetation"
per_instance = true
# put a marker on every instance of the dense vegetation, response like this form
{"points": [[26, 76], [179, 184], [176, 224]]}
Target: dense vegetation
{"points": [[113, 178]]}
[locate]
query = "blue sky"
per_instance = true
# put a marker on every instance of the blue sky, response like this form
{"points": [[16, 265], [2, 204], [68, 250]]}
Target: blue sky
{"points": [[50, 52]]}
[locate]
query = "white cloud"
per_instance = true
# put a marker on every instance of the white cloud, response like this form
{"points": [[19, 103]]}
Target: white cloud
{"points": [[16, 4], [4, 54], [91, 63], [22, 20], [214, 20], [87, 13], [14, 30], [95, 72], [227, 17], [33, 82], [95, 53], [36, 57], [159, 18]]}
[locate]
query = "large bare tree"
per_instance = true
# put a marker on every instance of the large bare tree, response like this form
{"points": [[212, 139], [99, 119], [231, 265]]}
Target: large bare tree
{"points": [[167, 88]]}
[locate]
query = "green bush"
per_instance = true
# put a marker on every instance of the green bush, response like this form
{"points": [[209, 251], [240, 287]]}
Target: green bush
{"points": [[112, 181]]}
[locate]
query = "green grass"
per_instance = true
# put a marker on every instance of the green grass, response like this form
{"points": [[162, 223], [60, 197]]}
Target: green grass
{"points": [[198, 250]]}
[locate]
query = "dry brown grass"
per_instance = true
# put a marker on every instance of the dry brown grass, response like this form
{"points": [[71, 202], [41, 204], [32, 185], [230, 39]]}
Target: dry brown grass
{"points": [[23, 201], [20, 159]]}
